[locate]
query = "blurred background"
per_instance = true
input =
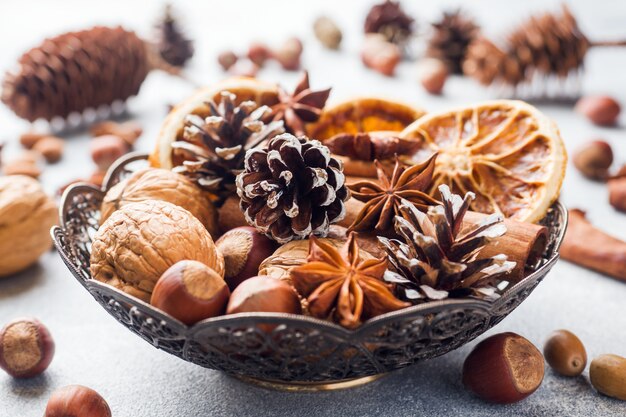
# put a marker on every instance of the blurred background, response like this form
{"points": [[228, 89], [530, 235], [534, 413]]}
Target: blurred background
{"points": [[139, 380]]}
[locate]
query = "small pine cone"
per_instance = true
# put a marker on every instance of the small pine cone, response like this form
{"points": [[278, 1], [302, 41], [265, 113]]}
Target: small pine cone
{"points": [[174, 47], [292, 188], [76, 71]]}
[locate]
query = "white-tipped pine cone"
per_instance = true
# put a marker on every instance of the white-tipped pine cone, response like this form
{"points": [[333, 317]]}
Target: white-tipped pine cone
{"points": [[292, 188]]}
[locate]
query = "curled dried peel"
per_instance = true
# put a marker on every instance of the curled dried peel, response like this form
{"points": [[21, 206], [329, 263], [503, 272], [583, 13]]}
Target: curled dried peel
{"points": [[506, 152]]}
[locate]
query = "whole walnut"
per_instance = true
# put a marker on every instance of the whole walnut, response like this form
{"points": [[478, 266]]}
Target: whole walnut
{"points": [[140, 241], [165, 185], [26, 216]]}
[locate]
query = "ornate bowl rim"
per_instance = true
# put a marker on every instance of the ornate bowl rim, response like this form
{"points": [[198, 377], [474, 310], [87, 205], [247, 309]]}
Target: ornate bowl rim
{"points": [[112, 177]]}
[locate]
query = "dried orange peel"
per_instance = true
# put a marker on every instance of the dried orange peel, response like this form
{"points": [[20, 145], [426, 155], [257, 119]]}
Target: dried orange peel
{"points": [[364, 114], [244, 88], [507, 152]]}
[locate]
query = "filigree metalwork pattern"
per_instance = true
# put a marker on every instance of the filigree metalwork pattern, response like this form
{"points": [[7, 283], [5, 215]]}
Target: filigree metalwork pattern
{"points": [[283, 347]]}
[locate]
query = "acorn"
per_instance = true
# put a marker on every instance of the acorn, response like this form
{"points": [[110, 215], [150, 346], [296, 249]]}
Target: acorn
{"points": [[244, 248], [608, 375], [504, 368], [26, 348], [76, 401], [565, 353], [264, 295], [190, 291]]}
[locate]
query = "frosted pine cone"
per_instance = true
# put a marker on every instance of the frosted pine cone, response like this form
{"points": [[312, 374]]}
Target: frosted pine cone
{"points": [[292, 188]]}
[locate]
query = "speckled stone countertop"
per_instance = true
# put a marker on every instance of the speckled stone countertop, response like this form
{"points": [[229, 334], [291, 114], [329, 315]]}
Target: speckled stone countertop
{"points": [[140, 381]]}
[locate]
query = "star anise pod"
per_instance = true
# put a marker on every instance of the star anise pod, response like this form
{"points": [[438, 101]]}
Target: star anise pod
{"points": [[382, 198], [364, 146], [302, 106], [338, 284]]}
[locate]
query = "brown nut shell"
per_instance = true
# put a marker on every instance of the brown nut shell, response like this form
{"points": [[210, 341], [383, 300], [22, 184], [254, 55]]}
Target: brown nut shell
{"points": [[76, 401], [26, 348], [51, 148], [594, 159], [107, 149], [608, 375], [504, 368], [26, 216], [140, 241], [128, 131], [264, 294], [243, 248], [600, 110], [190, 291], [165, 185], [565, 353]]}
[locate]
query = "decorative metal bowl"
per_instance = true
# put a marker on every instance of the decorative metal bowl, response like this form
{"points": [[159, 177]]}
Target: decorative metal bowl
{"points": [[300, 352]]}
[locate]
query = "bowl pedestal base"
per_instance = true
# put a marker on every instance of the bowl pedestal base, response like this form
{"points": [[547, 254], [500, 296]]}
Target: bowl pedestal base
{"points": [[309, 386]]}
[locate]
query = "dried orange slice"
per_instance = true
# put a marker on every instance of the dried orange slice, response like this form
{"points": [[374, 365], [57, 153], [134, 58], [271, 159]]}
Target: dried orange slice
{"points": [[366, 114], [507, 152], [243, 87]]}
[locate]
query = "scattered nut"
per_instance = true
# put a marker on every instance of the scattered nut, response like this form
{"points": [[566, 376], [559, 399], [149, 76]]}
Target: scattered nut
{"points": [[594, 159], [327, 32], [26, 348], [565, 353], [264, 294], [51, 148], [20, 167], [243, 248], [600, 110], [288, 55], [29, 139], [76, 401], [107, 149], [259, 53], [140, 241], [504, 368], [129, 131], [227, 59], [380, 55], [244, 68], [433, 75], [608, 375], [617, 193], [190, 291], [165, 185], [26, 216]]}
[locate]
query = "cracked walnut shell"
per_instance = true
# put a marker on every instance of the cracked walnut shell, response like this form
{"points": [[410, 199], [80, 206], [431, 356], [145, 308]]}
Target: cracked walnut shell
{"points": [[26, 216], [165, 185], [140, 241]]}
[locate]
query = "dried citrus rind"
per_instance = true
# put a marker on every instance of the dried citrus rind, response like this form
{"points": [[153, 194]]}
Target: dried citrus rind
{"points": [[506, 152], [366, 114], [244, 88]]}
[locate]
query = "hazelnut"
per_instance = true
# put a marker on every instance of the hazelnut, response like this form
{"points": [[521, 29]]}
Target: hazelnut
{"points": [[617, 193], [26, 216], [244, 68], [77, 401], [608, 375], [165, 185], [600, 110], [190, 291], [288, 55], [140, 241], [258, 53], [129, 131], [327, 32], [29, 139], [565, 353], [380, 55], [504, 368], [97, 178], [243, 248], [594, 159], [264, 294], [26, 348], [107, 149], [227, 59], [433, 75], [50, 147]]}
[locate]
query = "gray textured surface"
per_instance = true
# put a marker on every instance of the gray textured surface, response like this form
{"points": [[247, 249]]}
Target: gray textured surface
{"points": [[138, 380]]}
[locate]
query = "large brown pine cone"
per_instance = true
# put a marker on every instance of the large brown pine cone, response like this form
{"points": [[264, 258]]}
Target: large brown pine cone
{"points": [[76, 71], [292, 188]]}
